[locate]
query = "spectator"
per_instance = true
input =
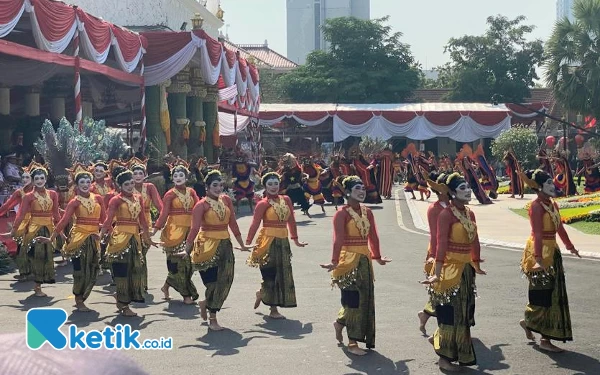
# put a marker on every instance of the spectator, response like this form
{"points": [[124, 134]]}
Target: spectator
{"points": [[11, 171]]}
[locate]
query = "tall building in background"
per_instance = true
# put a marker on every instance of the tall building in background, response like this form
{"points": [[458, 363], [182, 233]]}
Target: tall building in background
{"points": [[564, 8], [304, 20]]}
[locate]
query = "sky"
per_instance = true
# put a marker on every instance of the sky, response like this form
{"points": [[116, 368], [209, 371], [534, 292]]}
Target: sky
{"points": [[425, 24]]}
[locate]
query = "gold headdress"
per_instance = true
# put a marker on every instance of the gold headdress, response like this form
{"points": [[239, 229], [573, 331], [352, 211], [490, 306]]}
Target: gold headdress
{"points": [[212, 173], [440, 187], [530, 181], [349, 179], [179, 164], [101, 163], [269, 175], [452, 177], [33, 165], [135, 162], [78, 169], [114, 164]]}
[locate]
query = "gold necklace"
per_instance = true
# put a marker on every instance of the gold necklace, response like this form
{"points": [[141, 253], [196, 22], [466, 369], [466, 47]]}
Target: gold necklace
{"points": [[44, 201], [465, 220], [185, 198], [134, 206], [361, 221], [554, 214], [89, 203], [281, 209], [218, 206]]}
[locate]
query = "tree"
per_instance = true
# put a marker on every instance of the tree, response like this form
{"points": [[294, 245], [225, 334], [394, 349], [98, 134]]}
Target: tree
{"points": [[523, 141], [500, 62], [573, 69], [366, 63]]}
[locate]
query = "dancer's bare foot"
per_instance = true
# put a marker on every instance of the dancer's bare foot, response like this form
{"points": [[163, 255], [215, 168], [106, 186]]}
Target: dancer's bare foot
{"points": [[38, 292], [275, 314], [422, 321], [258, 299], [446, 365], [354, 349], [165, 290], [431, 340], [528, 332], [203, 314], [338, 332], [546, 345], [188, 301], [125, 310], [323, 208], [81, 307], [213, 325]]}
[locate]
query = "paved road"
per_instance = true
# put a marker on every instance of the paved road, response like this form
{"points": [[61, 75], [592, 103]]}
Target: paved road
{"points": [[305, 344]]}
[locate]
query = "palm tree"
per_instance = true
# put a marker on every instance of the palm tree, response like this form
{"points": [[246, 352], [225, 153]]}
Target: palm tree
{"points": [[573, 59]]}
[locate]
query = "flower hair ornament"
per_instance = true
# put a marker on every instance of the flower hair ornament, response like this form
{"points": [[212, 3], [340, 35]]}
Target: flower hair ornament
{"points": [[269, 176], [179, 164], [350, 179], [452, 177], [214, 172]]}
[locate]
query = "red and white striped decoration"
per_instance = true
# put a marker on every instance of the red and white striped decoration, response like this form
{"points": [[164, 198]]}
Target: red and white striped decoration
{"points": [[78, 107], [143, 110]]}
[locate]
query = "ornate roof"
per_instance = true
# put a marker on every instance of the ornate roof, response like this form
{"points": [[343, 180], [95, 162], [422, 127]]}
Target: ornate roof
{"points": [[264, 56]]}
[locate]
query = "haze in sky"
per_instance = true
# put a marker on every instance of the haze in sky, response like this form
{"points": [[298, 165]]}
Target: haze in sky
{"points": [[426, 25]]}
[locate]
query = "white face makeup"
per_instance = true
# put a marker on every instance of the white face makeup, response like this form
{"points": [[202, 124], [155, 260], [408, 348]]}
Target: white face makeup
{"points": [[39, 180], [99, 173], [179, 178], [138, 176], [463, 192], [128, 186], [358, 193], [549, 188], [83, 185], [25, 179], [215, 188], [272, 186]]}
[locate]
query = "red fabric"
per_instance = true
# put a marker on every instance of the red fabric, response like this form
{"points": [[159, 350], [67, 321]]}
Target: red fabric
{"points": [[488, 118], [55, 18], [214, 47], [243, 64], [129, 43], [399, 117], [230, 56], [443, 118], [97, 30], [355, 117], [9, 9], [254, 73], [229, 141], [221, 83], [117, 74], [162, 45]]}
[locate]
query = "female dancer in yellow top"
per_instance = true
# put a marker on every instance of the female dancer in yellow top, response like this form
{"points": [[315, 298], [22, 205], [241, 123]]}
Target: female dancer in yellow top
{"points": [[272, 253], [86, 211], [355, 244], [210, 246], [42, 206], [124, 249], [547, 312], [175, 221], [452, 284]]}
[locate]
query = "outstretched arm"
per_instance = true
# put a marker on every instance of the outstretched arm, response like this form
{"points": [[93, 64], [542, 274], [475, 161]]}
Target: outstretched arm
{"points": [[66, 218], [373, 237], [197, 216], [166, 210], [14, 200], [259, 212], [293, 228], [25, 208], [339, 234], [155, 197]]}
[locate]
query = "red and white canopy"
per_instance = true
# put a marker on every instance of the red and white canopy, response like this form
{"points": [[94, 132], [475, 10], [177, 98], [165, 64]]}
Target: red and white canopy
{"points": [[170, 52], [462, 122]]}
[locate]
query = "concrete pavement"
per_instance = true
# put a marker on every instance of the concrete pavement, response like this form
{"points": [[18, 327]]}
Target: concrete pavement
{"points": [[305, 343], [499, 226]]}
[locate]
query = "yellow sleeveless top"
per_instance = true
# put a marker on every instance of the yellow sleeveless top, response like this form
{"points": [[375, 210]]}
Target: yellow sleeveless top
{"points": [[126, 226], [214, 230], [274, 226], [549, 246], [40, 216], [178, 224], [86, 222]]}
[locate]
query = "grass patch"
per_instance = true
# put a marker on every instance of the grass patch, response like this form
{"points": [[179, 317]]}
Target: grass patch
{"points": [[521, 212], [587, 227]]}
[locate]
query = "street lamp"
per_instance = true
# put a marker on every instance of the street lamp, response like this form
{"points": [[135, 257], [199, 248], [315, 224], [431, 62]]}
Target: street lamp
{"points": [[197, 22]]}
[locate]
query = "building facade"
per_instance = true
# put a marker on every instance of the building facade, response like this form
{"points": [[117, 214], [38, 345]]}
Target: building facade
{"points": [[305, 18], [175, 15], [564, 8]]}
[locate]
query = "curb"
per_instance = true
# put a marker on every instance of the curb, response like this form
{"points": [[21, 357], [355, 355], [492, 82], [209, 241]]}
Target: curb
{"points": [[421, 225]]}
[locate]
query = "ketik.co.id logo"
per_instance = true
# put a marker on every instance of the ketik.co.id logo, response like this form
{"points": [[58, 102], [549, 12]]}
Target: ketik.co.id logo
{"points": [[44, 324]]}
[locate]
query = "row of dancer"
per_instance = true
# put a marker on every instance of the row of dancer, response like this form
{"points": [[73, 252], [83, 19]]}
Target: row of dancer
{"points": [[453, 260]]}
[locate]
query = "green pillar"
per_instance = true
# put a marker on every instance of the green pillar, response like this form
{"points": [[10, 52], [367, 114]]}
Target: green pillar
{"points": [[210, 117], [178, 111], [154, 132]]}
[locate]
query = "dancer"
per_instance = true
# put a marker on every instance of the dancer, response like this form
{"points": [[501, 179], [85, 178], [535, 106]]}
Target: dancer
{"points": [[272, 253], [175, 221], [42, 206], [124, 249], [489, 182], [291, 182], [355, 244], [437, 183], [210, 247], [150, 197], [243, 186], [547, 312], [452, 285], [589, 169], [16, 199], [101, 185], [512, 170], [466, 163], [86, 210], [386, 173], [313, 187], [364, 170]]}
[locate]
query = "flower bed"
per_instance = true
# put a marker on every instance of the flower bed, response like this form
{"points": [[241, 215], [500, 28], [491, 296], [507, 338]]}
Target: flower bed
{"points": [[577, 208]]}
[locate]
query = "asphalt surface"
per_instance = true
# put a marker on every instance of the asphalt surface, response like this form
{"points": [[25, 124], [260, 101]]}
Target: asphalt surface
{"points": [[305, 342]]}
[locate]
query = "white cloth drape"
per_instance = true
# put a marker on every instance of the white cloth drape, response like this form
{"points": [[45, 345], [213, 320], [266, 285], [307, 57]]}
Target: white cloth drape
{"points": [[298, 119], [227, 124], [162, 71], [210, 73], [228, 93], [228, 73], [126, 66], [8, 27], [88, 48], [40, 40]]}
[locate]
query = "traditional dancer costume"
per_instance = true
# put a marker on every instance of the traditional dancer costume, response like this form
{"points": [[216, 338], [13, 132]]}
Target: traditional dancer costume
{"points": [[291, 182], [452, 285], [465, 160], [590, 169], [365, 172], [150, 196], [210, 245], [175, 221], [243, 186], [86, 211], [42, 206], [312, 187], [386, 173], [512, 170], [272, 253], [355, 245], [124, 249], [547, 312]]}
